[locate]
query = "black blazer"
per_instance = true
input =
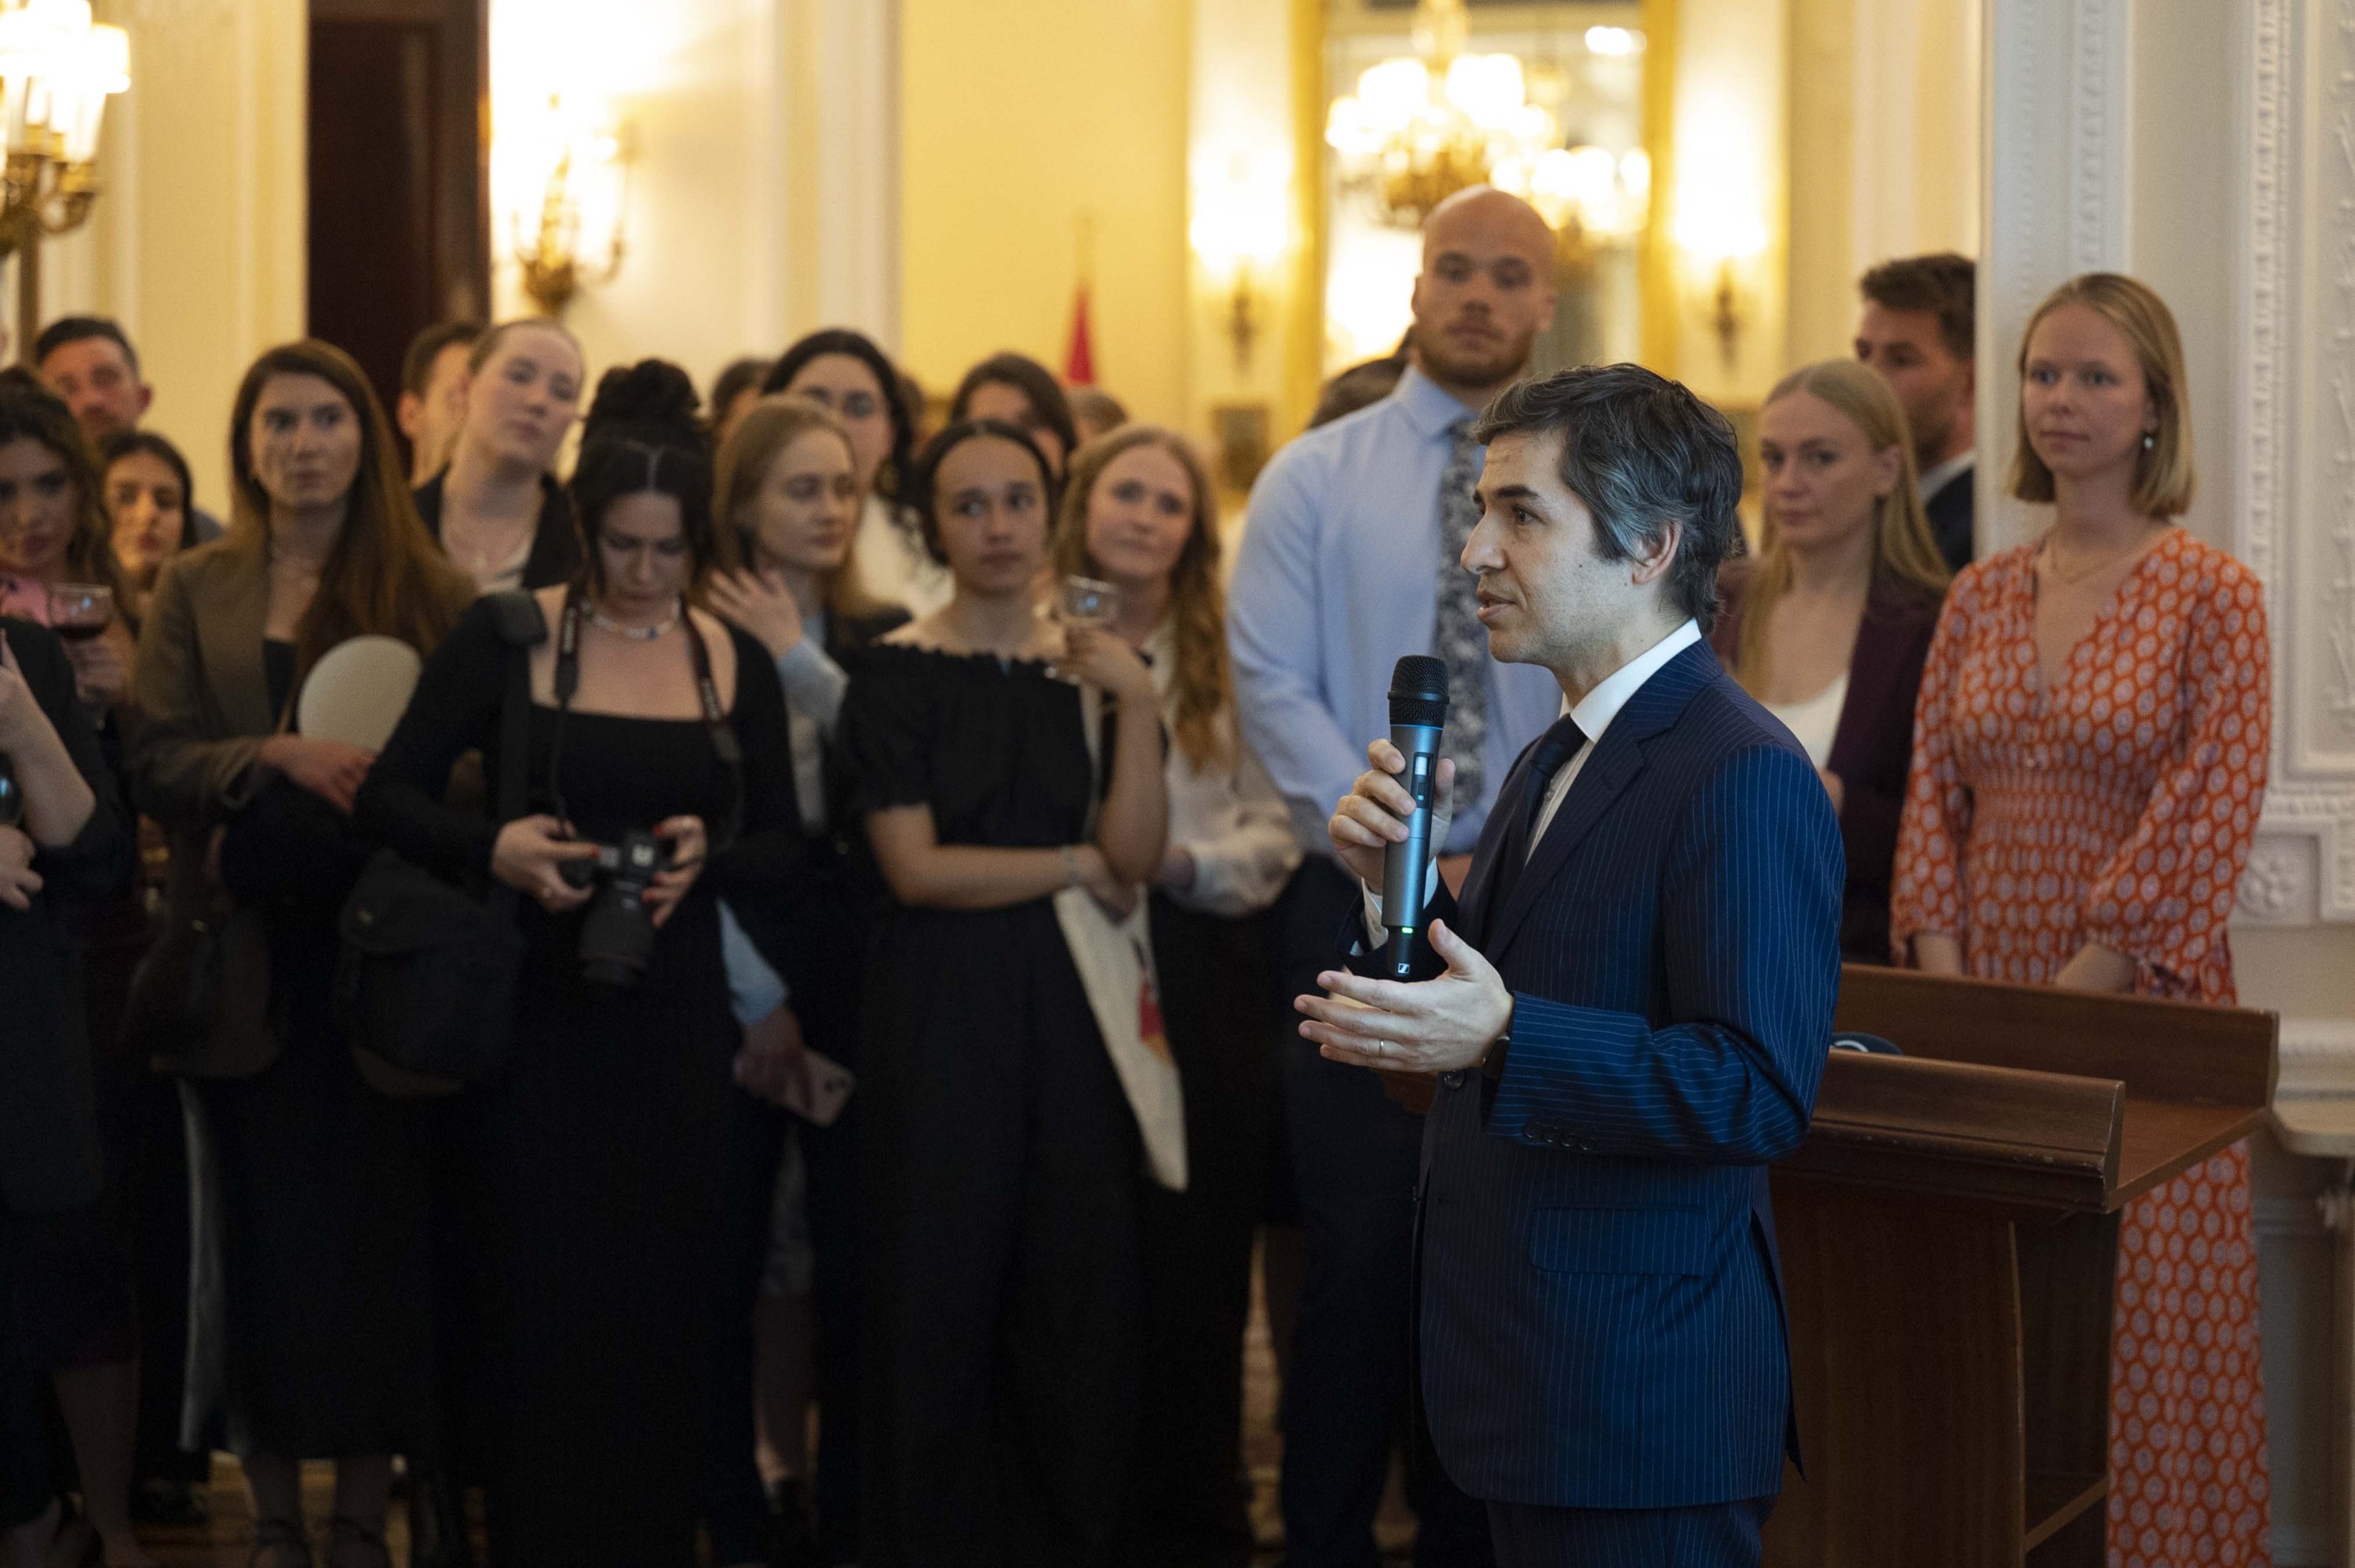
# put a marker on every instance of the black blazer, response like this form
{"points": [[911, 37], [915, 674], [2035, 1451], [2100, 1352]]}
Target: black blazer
{"points": [[1951, 511], [1873, 746], [555, 542], [49, 1128]]}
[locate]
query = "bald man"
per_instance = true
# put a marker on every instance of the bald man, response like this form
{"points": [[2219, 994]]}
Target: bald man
{"points": [[1349, 560]]}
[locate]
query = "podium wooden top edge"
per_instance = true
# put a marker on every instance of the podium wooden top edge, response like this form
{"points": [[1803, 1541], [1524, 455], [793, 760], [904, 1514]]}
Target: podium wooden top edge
{"points": [[2021, 1097], [1967, 1131], [2160, 1050]]}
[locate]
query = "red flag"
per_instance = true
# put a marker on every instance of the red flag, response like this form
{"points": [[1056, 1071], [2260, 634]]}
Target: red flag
{"points": [[1078, 354]]}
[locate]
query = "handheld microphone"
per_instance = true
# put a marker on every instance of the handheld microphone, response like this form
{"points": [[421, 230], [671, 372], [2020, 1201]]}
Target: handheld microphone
{"points": [[1418, 713]]}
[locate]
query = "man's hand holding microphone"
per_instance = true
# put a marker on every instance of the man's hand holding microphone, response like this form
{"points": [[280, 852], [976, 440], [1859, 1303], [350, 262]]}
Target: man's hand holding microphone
{"points": [[1383, 831]]}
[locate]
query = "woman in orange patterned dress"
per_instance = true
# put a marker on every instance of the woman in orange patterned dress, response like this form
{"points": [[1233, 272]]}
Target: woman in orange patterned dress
{"points": [[2089, 761]]}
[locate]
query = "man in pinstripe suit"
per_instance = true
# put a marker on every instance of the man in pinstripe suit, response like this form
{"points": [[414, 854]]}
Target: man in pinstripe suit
{"points": [[1628, 1015]]}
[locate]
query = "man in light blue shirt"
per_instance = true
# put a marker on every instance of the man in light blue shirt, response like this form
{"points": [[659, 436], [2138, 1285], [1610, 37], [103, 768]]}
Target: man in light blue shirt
{"points": [[1349, 560]]}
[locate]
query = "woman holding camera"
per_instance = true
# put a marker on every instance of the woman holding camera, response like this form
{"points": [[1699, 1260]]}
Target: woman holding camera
{"points": [[314, 1181], [596, 1158], [999, 1155]]}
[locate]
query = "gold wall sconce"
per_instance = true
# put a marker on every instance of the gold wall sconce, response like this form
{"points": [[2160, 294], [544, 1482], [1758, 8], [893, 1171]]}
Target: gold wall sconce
{"points": [[1240, 230], [578, 232], [1721, 242], [57, 71]]}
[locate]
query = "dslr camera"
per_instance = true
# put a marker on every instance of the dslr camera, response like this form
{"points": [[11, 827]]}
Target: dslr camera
{"points": [[617, 936]]}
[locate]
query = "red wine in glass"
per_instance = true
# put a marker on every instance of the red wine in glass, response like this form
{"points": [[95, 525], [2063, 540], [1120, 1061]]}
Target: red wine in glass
{"points": [[81, 611]]}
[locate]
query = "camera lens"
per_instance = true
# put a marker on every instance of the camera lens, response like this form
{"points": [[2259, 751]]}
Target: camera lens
{"points": [[617, 937]]}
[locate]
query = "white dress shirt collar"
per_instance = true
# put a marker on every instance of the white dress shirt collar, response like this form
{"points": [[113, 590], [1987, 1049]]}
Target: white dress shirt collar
{"points": [[1432, 407], [1936, 479], [1595, 710]]}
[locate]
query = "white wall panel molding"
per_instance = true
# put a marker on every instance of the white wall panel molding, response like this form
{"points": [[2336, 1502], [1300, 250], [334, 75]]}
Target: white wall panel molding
{"points": [[2059, 138], [2294, 512]]}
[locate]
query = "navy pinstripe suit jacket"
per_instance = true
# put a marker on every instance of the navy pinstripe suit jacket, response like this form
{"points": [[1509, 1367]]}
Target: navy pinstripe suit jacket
{"points": [[1600, 1301]]}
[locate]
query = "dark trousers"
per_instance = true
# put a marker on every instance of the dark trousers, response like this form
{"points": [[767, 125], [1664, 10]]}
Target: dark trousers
{"points": [[25, 1481], [827, 1157], [1218, 987], [999, 1162], [1718, 1535], [1355, 1156], [735, 1505], [735, 1508]]}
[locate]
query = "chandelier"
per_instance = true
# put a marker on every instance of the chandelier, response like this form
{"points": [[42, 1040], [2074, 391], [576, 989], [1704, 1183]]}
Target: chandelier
{"points": [[57, 71], [1422, 127]]}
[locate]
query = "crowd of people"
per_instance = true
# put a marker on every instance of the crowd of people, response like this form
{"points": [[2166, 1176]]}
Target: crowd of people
{"points": [[897, 851]]}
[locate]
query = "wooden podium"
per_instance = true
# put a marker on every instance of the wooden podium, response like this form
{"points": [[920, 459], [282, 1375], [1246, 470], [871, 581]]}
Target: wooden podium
{"points": [[1949, 1236]]}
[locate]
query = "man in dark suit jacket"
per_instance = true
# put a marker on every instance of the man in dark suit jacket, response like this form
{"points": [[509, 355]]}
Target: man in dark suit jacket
{"points": [[1633, 1016], [1919, 330]]}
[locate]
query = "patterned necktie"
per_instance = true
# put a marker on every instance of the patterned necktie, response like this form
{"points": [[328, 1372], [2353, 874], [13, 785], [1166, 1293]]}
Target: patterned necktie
{"points": [[1555, 748], [1457, 635]]}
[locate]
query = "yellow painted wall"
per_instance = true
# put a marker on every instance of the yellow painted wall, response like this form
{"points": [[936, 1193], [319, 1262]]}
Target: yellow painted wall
{"points": [[1016, 121]]}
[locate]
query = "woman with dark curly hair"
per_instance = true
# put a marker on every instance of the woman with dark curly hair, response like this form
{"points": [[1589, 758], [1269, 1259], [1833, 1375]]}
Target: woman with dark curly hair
{"points": [[596, 1158]]}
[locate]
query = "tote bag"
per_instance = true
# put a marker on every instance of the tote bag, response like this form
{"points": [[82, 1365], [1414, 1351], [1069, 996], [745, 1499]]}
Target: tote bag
{"points": [[1114, 958]]}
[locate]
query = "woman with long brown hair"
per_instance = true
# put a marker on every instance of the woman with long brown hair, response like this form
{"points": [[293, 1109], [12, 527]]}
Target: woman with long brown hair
{"points": [[54, 531], [1139, 514], [311, 1184], [79, 1277], [1829, 624]]}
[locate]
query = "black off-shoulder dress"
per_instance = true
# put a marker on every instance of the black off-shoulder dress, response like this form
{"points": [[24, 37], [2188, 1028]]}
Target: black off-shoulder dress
{"points": [[594, 1166], [999, 1159]]}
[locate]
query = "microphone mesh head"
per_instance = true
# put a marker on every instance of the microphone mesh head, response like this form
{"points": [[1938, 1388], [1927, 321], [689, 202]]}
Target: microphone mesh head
{"points": [[1419, 690]]}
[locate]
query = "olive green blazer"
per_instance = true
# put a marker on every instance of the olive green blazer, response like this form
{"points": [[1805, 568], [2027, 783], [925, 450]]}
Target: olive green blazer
{"points": [[199, 715]]}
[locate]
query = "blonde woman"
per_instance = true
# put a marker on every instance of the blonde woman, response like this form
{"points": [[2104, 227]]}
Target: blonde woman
{"points": [[1139, 513], [1830, 624], [786, 506], [2089, 760]]}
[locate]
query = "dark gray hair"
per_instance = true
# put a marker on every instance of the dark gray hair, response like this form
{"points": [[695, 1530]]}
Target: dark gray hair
{"points": [[1641, 451]]}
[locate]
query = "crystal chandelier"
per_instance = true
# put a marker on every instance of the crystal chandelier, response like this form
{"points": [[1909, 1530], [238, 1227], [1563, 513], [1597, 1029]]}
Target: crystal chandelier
{"points": [[1419, 129]]}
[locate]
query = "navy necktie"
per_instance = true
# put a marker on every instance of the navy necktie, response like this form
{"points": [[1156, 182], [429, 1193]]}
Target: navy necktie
{"points": [[1555, 751]]}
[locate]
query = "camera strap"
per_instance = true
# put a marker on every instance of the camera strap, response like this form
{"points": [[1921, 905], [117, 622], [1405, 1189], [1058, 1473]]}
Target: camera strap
{"points": [[715, 715]]}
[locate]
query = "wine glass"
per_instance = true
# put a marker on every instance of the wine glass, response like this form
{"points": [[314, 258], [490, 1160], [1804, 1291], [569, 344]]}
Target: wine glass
{"points": [[79, 613], [1085, 601]]}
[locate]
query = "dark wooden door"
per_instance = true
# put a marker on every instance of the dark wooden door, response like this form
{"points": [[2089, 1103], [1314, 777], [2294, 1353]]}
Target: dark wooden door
{"points": [[399, 221]]}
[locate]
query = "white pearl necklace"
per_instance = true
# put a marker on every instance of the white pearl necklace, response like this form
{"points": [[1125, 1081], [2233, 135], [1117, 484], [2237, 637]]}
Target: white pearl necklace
{"points": [[604, 623]]}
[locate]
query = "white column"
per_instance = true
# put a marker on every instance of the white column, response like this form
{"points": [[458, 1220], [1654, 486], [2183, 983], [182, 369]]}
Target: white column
{"points": [[855, 68], [2056, 195], [824, 178]]}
